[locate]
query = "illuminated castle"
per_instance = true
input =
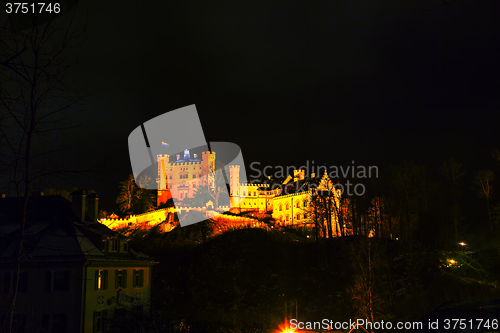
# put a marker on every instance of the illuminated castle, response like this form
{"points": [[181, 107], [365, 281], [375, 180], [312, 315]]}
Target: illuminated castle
{"points": [[181, 178]]}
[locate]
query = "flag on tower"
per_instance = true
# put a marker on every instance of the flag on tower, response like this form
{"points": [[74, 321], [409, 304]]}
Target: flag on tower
{"points": [[164, 144]]}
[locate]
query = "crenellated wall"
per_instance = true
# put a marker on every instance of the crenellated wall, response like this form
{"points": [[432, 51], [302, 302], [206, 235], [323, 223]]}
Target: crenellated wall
{"points": [[151, 219]]}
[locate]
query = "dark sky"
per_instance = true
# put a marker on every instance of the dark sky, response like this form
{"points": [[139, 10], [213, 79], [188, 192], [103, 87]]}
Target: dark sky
{"points": [[333, 81]]}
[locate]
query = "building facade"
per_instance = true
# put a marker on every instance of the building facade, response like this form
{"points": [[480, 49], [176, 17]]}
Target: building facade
{"points": [[75, 273]]}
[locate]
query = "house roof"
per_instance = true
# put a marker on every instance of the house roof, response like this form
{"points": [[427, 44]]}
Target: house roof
{"points": [[54, 233]]}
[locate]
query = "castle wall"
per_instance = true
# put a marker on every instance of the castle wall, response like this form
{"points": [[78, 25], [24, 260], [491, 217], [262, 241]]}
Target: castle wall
{"points": [[291, 208]]}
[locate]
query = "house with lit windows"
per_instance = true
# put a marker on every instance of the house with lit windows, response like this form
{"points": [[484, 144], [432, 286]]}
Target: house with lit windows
{"points": [[74, 272]]}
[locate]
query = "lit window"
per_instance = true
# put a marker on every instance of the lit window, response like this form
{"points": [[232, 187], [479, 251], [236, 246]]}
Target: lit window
{"points": [[194, 176], [298, 204], [287, 206], [101, 279], [280, 207], [287, 218]]}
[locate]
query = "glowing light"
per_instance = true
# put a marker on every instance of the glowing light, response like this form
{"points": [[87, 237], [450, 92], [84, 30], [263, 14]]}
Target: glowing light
{"points": [[462, 243], [284, 329], [451, 262], [99, 280]]}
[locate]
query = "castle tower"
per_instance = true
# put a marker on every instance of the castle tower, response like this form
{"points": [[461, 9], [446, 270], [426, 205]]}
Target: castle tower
{"points": [[234, 179], [163, 161], [207, 161], [163, 188]]}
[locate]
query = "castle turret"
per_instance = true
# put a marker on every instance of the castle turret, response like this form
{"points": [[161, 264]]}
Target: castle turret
{"points": [[234, 178], [163, 161], [208, 161]]}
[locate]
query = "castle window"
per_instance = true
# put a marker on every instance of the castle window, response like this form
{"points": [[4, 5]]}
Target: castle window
{"points": [[194, 176], [298, 204], [280, 207], [298, 216], [287, 218], [281, 218], [287, 206], [170, 177]]}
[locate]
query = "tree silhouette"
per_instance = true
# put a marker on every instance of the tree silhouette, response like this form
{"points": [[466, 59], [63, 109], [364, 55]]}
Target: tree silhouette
{"points": [[135, 199], [37, 97], [483, 179]]}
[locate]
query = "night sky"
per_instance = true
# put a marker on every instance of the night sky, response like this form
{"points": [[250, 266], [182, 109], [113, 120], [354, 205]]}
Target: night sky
{"points": [[377, 82]]}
